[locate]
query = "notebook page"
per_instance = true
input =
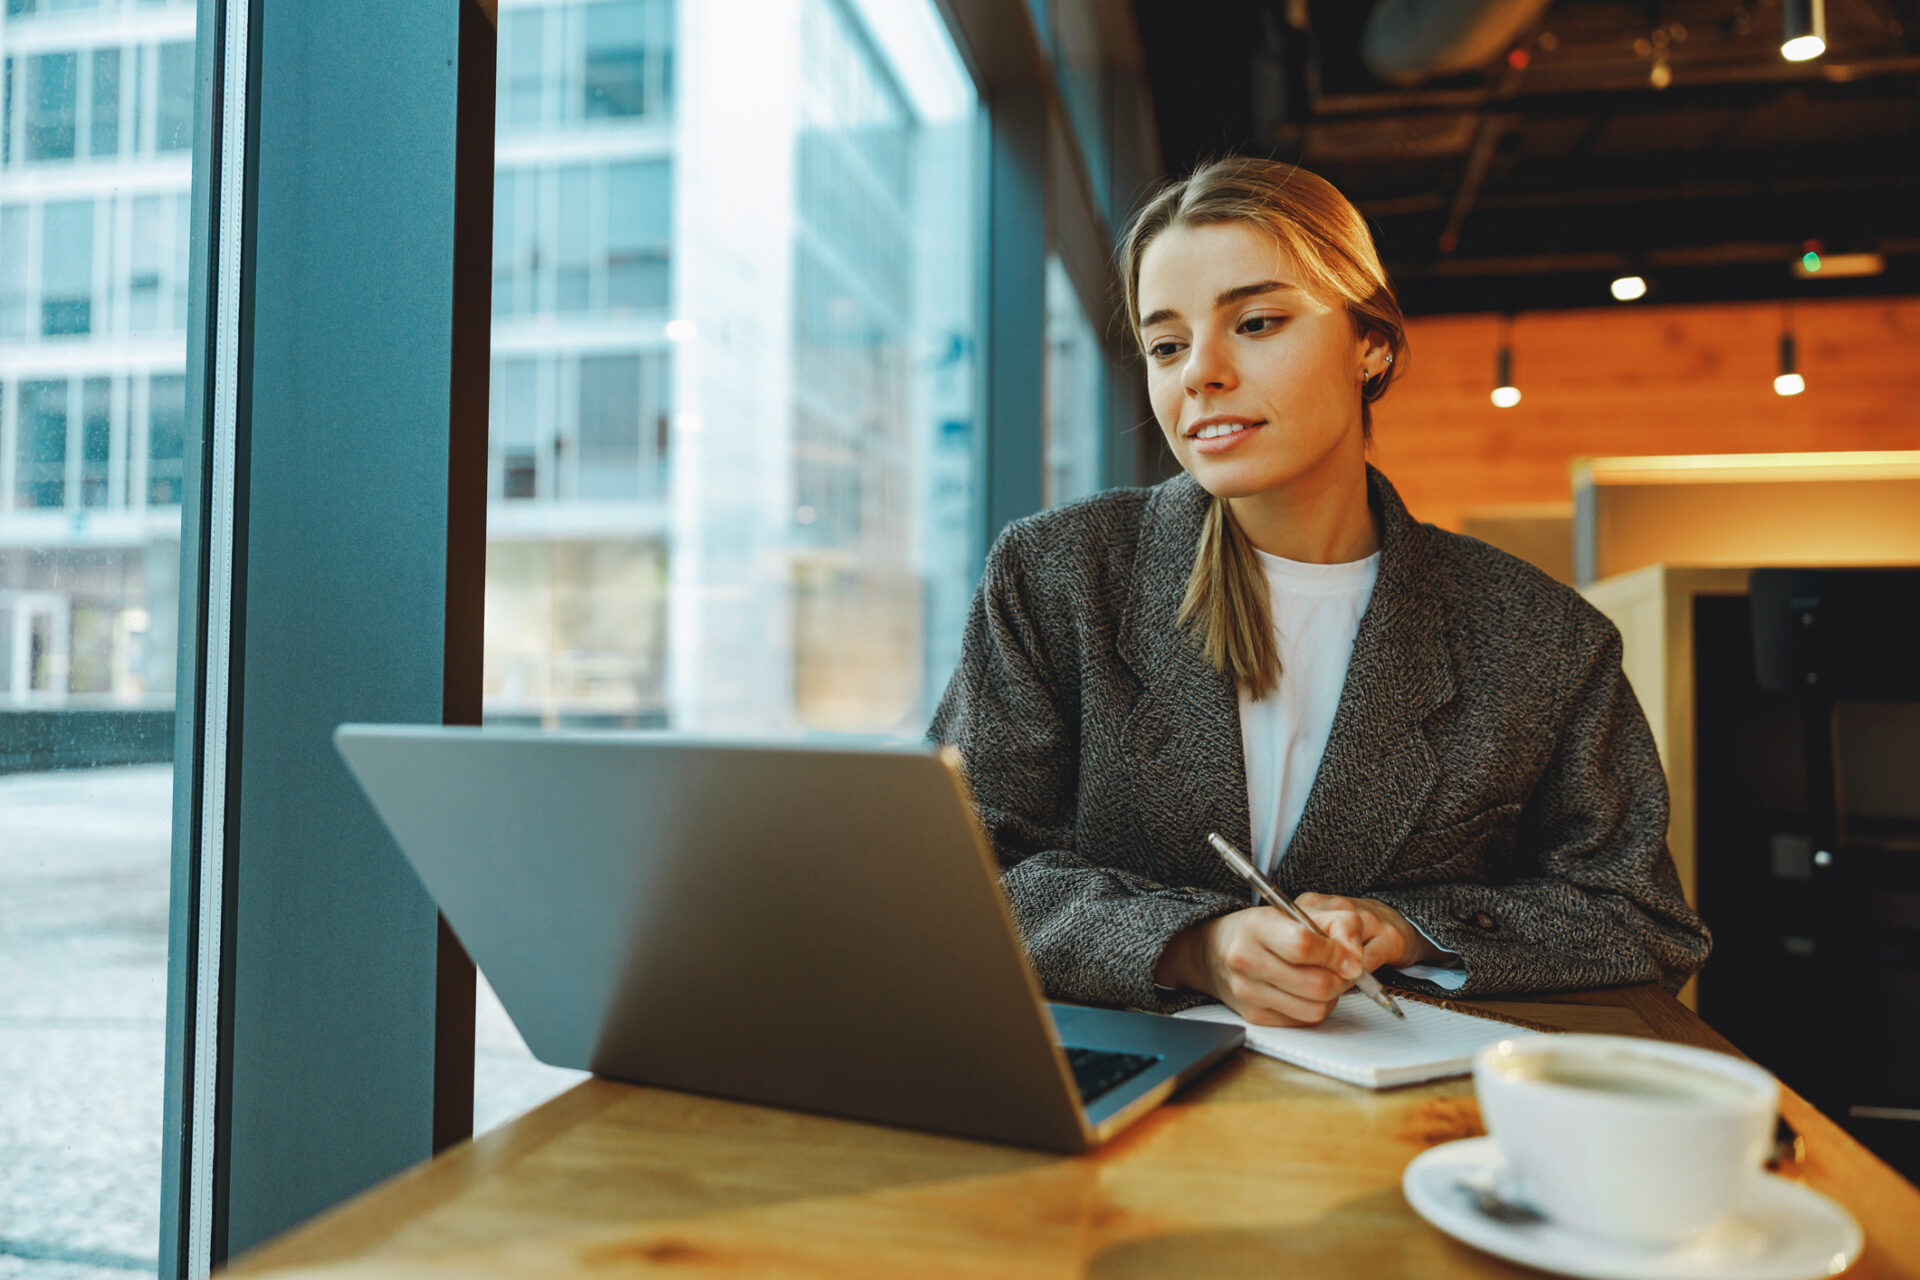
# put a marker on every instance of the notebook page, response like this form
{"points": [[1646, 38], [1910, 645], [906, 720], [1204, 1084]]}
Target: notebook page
{"points": [[1362, 1043]]}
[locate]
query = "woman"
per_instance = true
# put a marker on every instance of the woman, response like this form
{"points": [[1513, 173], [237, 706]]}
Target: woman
{"points": [[1428, 741]]}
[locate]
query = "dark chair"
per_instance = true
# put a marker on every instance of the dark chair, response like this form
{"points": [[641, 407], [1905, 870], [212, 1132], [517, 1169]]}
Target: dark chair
{"points": [[1845, 643]]}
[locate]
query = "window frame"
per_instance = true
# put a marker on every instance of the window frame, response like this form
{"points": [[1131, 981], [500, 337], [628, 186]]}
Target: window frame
{"points": [[319, 1013]]}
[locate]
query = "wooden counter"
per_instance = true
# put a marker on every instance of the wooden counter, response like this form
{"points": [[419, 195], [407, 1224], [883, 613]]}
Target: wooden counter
{"points": [[1261, 1169]]}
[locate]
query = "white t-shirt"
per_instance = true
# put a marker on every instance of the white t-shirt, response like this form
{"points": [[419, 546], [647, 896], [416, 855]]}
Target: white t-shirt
{"points": [[1316, 616]]}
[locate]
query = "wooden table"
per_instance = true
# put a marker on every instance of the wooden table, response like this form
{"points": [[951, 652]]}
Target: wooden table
{"points": [[1259, 1170]]}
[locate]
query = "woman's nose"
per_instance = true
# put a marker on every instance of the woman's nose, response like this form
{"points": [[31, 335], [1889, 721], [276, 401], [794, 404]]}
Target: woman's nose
{"points": [[1208, 367]]}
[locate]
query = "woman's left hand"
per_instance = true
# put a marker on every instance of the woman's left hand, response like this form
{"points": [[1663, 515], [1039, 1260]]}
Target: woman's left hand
{"points": [[1382, 934]]}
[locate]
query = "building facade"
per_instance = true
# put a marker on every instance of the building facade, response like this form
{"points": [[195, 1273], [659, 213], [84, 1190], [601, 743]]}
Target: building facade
{"points": [[95, 138], [732, 437]]}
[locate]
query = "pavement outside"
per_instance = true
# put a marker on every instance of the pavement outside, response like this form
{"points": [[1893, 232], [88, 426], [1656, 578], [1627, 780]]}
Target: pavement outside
{"points": [[83, 976]]}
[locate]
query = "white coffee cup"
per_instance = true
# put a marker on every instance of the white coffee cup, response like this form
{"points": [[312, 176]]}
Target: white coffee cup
{"points": [[1628, 1139]]}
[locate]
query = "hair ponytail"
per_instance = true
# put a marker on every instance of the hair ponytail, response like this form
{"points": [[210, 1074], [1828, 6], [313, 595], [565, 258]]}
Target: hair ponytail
{"points": [[1227, 605]]}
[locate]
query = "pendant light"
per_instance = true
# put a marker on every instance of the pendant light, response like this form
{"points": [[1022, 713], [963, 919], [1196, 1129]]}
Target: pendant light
{"points": [[1789, 382], [1803, 29], [1505, 394]]}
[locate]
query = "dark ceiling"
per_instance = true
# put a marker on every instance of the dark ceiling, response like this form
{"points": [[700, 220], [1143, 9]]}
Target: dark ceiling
{"points": [[1535, 181]]}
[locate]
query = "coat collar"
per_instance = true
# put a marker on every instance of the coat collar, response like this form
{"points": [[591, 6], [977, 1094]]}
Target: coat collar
{"points": [[1183, 731]]}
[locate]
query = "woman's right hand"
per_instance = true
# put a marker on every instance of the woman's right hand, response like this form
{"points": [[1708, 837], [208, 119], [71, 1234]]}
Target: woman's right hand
{"points": [[1264, 965]]}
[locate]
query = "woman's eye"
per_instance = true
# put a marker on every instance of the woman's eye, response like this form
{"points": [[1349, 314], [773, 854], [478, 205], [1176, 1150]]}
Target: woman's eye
{"points": [[1162, 350], [1262, 324]]}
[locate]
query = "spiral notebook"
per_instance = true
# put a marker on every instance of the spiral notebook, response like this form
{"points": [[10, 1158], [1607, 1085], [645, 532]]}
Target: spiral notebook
{"points": [[1364, 1044]]}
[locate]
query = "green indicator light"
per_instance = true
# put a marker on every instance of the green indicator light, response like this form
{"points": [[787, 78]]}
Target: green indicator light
{"points": [[1811, 261]]}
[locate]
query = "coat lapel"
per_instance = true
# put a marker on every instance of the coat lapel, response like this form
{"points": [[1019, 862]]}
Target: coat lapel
{"points": [[1182, 734], [1379, 766]]}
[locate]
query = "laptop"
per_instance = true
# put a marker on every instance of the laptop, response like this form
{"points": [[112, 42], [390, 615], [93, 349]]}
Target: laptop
{"points": [[810, 926]]}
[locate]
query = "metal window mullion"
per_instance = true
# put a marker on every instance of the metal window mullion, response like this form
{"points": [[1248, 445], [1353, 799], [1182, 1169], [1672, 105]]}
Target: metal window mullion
{"points": [[220, 490], [117, 443], [82, 102], [139, 398], [1015, 306], [128, 108], [32, 287], [71, 477]]}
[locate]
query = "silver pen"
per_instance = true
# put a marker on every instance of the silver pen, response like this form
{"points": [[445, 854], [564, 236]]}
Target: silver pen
{"points": [[1366, 982]]}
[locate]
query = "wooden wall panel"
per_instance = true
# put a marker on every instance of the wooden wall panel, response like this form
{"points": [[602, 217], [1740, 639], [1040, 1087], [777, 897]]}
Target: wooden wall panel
{"points": [[1633, 379]]}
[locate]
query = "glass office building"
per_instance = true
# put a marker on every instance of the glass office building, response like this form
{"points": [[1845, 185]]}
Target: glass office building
{"points": [[732, 381], [95, 165], [732, 390], [96, 114]]}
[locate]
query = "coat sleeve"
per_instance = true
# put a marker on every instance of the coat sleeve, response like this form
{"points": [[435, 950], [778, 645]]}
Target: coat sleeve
{"points": [[1093, 932], [1598, 902]]}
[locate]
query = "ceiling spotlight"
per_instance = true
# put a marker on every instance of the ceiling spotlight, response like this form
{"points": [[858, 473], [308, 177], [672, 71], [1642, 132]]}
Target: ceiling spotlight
{"points": [[1789, 383], [1630, 288], [1803, 29], [1505, 394]]}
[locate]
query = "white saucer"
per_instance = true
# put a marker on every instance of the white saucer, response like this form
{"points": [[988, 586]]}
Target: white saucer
{"points": [[1782, 1231]]}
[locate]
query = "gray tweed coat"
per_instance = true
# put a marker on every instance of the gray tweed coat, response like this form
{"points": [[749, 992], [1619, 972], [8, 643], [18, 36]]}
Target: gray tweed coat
{"points": [[1489, 772]]}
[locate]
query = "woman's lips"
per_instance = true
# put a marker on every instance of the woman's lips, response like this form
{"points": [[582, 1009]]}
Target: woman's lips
{"points": [[1220, 444]]}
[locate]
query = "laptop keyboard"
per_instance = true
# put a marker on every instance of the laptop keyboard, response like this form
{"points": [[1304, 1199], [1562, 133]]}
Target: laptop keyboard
{"points": [[1099, 1071]]}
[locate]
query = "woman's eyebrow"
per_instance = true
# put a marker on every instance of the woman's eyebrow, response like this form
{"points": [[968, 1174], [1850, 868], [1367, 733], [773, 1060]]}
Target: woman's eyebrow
{"points": [[1235, 294], [1238, 292]]}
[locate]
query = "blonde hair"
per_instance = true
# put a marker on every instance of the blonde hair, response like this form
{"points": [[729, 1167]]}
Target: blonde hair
{"points": [[1226, 602]]}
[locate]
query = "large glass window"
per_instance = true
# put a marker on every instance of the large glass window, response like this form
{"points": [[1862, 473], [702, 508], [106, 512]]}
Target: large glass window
{"points": [[794, 431], [146, 260], [15, 302], [104, 126], [514, 450], [41, 470], [522, 59], [166, 434], [575, 62], [66, 268], [617, 57], [173, 121], [586, 237], [623, 426], [733, 422], [52, 105], [96, 441], [93, 247], [572, 224], [639, 220]]}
